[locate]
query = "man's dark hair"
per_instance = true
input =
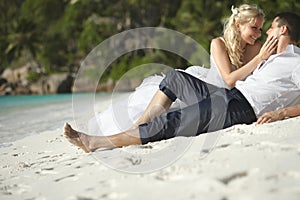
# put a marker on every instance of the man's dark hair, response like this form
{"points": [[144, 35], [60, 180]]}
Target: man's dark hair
{"points": [[292, 21]]}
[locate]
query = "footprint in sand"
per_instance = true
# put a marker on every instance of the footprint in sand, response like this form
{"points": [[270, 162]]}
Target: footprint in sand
{"points": [[46, 171], [15, 189], [73, 176]]}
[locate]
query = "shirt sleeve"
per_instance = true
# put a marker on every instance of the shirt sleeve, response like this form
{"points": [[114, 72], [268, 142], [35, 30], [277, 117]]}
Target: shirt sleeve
{"points": [[296, 76]]}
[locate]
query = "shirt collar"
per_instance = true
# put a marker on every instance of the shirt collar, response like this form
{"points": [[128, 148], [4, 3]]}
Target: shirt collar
{"points": [[289, 49], [292, 49]]}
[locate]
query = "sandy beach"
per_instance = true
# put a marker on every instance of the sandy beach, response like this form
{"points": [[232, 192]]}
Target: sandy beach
{"points": [[247, 162]]}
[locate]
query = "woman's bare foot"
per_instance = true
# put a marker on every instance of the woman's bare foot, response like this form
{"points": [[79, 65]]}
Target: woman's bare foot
{"points": [[73, 137]]}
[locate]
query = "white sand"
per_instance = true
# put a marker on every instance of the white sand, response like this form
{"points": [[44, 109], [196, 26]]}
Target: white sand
{"points": [[248, 162]]}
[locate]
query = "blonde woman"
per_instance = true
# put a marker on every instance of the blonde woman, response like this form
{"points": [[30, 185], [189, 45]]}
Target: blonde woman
{"points": [[236, 54], [233, 57]]}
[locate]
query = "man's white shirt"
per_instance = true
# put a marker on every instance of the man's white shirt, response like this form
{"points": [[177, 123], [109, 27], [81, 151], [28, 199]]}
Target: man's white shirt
{"points": [[275, 84]]}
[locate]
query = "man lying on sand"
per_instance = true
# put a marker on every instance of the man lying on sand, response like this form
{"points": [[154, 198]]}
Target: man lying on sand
{"points": [[271, 93]]}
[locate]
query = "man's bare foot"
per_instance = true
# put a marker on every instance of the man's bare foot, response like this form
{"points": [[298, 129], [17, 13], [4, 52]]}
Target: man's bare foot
{"points": [[91, 143], [73, 137]]}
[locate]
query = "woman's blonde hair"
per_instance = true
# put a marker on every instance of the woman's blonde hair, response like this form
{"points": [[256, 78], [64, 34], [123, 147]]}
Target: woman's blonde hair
{"points": [[243, 14]]}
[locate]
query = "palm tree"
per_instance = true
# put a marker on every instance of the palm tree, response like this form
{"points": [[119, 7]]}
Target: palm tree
{"points": [[22, 38]]}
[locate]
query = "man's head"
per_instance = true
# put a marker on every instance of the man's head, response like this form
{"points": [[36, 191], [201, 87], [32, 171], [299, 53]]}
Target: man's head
{"points": [[286, 24]]}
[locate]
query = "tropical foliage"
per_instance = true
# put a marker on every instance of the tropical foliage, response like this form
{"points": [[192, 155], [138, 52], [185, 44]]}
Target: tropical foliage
{"points": [[58, 34]]}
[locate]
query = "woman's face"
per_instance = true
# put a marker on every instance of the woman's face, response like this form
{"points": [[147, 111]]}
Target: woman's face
{"points": [[251, 31]]}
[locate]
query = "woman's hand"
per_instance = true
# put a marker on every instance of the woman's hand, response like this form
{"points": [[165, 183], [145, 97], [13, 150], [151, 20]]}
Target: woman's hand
{"points": [[268, 48]]}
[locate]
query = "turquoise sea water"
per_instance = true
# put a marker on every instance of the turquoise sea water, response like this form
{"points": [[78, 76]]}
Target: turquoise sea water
{"points": [[21, 116], [17, 102]]}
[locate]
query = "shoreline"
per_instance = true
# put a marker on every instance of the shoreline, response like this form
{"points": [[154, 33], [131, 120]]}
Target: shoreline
{"points": [[21, 116], [248, 162]]}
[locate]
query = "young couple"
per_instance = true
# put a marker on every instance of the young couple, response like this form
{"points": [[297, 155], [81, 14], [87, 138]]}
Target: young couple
{"points": [[262, 84]]}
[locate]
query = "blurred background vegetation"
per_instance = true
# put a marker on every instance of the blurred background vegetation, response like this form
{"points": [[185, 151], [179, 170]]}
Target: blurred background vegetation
{"points": [[58, 34]]}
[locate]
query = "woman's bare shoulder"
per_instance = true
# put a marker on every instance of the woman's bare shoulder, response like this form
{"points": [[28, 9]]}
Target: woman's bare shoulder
{"points": [[218, 43]]}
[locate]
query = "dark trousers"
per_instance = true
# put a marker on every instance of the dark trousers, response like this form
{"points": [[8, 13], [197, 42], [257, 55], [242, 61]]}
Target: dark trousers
{"points": [[208, 108]]}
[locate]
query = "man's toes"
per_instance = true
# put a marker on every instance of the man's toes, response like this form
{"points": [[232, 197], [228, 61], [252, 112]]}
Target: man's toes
{"points": [[73, 137], [69, 132]]}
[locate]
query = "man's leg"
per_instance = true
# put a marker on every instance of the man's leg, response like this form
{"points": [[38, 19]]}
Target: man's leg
{"points": [[159, 104], [91, 143], [187, 88], [190, 121], [183, 122], [222, 109], [176, 84], [239, 110]]}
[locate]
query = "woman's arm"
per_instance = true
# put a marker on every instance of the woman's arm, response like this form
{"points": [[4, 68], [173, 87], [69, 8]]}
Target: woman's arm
{"points": [[292, 111], [256, 53]]}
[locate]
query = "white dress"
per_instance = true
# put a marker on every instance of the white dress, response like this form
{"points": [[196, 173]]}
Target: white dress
{"points": [[120, 116]]}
